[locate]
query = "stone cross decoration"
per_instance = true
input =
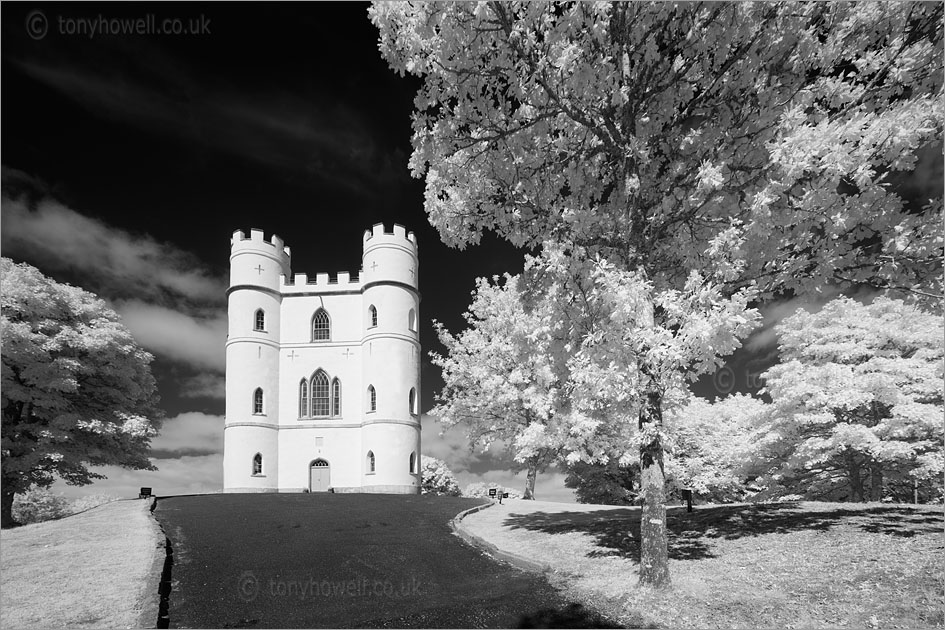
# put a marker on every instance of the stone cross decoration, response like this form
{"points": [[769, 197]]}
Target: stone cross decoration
{"points": [[259, 269], [374, 266], [347, 353], [292, 355]]}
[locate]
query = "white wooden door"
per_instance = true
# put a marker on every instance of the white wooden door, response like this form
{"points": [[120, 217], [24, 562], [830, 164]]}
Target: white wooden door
{"points": [[320, 476]]}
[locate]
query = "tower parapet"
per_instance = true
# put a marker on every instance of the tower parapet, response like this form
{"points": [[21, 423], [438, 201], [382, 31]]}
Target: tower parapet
{"points": [[389, 256], [254, 261]]}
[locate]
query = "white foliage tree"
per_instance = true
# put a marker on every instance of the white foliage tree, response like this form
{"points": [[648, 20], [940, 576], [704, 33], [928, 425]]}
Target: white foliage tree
{"points": [[711, 443], [77, 390], [858, 397], [752, 143], [500, 382], [437, 478]]}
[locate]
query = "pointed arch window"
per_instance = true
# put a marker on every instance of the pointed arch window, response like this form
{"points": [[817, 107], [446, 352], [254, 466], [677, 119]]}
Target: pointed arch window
{"points": [[336, 397], [413, 462], [412, 320], [259, 320], [412, 401], [372, 398], [370, 461], [257, 464], [258, 401], [372, 311], [321, 326], [303, 398], [320, 398]]}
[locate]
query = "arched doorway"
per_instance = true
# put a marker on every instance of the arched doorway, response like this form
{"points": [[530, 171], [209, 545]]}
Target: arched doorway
{"points": [[319, 476]]}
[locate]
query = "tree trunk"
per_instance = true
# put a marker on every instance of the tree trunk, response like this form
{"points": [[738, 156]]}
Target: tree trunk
{"points": [[530, 478], [876, 482], [856, 482], [654, 549], [6, 507]]}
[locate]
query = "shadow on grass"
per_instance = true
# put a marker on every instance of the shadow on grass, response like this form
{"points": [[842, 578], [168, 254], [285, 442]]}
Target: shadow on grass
{"points": [[571, 616], [617, 532]]}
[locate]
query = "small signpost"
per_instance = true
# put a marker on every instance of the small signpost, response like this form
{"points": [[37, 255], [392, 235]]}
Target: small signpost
{"points": [[687, 495], [495, 492], [145, 493]]}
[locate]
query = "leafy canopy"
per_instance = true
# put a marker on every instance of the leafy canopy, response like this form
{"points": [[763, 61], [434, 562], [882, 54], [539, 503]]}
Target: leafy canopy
{"points": [[859, 387], [758, 138], [500, 378], [437, 478], [710, 443], [76, 390]]}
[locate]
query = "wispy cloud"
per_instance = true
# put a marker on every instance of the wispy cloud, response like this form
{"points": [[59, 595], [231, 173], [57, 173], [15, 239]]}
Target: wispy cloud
{"points": [[195, 340], [173, 305], [203, 386], [454, 449], [189, 434], [112, 262]]}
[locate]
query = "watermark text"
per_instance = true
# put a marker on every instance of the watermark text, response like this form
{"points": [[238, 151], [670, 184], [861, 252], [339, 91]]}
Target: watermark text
{"points": [[38, 25], [250, 587]]}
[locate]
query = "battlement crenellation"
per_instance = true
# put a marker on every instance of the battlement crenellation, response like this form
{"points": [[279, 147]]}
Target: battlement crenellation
{"points": [[398, 233], [257, 241], [341, 279]]}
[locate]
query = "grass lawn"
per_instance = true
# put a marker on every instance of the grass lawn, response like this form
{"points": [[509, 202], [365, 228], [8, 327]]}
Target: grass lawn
{"points": [[88, 570], [786, 565]]}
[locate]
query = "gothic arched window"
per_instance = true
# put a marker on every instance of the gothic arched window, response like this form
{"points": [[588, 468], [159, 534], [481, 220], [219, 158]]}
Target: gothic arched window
{"points": [[257, 464], [258, 400], [320, 400], [370, 461], [412, 320], [321, 326], [372, 398], [372, 311], [336, 397], [303, 399], [259, 321], [412, 402], [413, 462]]}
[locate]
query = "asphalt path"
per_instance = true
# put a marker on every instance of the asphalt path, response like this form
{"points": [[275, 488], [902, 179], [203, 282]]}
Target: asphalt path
{"points": [[341, 560]]}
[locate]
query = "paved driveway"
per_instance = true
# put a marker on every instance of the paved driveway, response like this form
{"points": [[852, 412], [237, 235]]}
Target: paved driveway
{"points": [[338, 560]]}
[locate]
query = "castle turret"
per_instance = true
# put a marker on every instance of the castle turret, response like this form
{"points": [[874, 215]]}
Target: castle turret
{"points": [[390, 351], [252, 362]]}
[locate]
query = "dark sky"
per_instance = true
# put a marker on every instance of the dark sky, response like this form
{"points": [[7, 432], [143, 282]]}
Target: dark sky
{"points": [[283, 117]]}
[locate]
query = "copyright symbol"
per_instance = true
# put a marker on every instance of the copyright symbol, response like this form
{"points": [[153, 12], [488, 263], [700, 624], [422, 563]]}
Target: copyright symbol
{"points": [[724, 380], [248, 586], [36, 24]]}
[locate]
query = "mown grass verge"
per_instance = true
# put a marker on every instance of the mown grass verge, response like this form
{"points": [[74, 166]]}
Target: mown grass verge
{"points": [[88, 570], [786, 565]]}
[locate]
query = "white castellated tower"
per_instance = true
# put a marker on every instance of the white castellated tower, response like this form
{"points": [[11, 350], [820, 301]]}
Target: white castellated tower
{"points": [[323, 376]]}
